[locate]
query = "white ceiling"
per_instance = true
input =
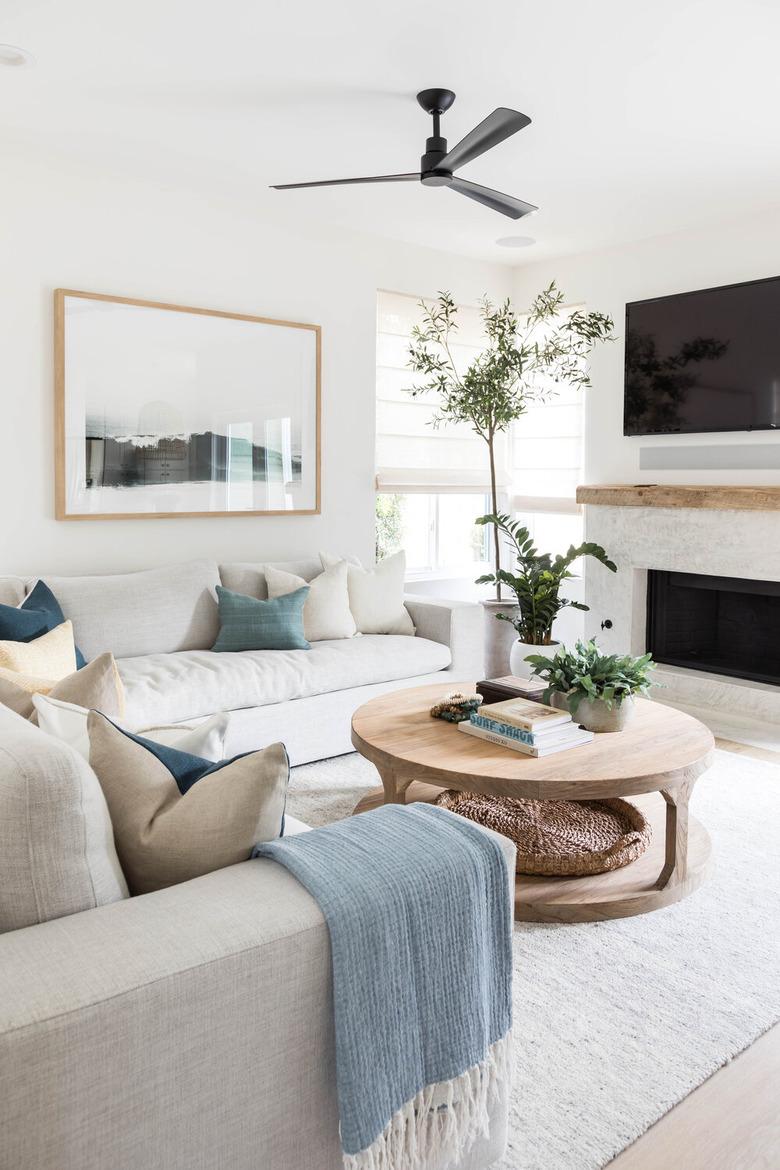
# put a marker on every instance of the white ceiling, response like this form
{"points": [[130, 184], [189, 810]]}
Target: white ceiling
{"points": [[647, 117]]}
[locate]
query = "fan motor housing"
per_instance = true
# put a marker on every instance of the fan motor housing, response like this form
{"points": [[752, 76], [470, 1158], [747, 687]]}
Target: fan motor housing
{"points": [[431, 174]]}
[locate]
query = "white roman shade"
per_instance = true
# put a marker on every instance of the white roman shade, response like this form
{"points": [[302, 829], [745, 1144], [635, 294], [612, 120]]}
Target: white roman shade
{"points": [[412, 455]]}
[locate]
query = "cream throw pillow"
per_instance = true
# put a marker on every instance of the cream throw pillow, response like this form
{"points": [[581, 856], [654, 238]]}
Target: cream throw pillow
{"points": [[96, 685], [376, 596], [176, 817], [51, 656], [326, 612], [68, 722]]}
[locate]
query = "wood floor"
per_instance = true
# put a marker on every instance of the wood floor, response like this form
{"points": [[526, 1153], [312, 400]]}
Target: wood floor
{"points": [[732, 1121]]}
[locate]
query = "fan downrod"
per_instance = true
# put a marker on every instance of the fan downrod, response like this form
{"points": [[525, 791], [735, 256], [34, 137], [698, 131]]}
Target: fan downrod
{"points": [[435, 102]]}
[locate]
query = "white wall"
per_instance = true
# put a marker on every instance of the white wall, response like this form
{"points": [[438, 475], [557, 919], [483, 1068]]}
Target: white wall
{"points": [[75, 229], [740, 250]]}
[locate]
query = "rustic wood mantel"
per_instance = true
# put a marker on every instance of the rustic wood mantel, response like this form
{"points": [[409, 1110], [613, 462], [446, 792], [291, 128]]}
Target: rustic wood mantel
{"points": [[670, 495]]}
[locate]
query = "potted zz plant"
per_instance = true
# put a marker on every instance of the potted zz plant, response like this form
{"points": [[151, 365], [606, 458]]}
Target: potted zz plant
{"points": [[598, 689], [536, 585]]}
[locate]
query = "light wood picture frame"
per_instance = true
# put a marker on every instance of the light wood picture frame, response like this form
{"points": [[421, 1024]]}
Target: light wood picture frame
{"points": [[164, 411]]}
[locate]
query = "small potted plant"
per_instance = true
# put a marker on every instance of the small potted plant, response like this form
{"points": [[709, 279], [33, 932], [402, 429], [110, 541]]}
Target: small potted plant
{"points": [[536, 584], [598, 689]]}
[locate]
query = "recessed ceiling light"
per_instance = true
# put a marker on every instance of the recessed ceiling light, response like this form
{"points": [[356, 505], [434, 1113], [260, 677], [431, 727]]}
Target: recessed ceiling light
{"points": [[14, 57], [515, 242]]}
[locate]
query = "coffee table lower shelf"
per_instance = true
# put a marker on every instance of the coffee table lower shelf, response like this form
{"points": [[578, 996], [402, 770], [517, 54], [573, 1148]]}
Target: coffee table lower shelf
{"points": [[634, 889]]}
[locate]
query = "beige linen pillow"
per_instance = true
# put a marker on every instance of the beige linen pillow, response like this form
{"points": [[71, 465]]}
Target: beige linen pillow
{"points": [[96, 685], [326, 612], [57, 852], [51, 656], [376, 596], [175, 816]]}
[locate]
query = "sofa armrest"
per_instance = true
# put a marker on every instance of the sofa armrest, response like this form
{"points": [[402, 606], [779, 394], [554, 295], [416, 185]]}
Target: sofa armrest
{"points": [[192, 1027], [188, 1027], [457, 624]]}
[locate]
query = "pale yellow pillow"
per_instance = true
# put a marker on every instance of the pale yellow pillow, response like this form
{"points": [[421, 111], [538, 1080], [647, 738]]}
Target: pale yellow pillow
{"points": [[96, 685], [52, 656]]}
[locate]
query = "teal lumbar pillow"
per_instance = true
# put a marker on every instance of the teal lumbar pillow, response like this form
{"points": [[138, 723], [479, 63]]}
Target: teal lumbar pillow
{"points": [[249, 624]]}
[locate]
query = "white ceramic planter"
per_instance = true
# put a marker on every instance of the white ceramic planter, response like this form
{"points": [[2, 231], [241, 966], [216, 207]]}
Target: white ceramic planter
{"points": [[520, 650], [499, 637]]}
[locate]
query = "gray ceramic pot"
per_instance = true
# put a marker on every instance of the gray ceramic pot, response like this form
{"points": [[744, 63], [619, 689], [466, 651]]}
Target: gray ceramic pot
{"points": [[594, 715], [499, 637]]}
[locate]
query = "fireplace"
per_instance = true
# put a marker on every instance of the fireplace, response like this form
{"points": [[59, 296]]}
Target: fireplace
{"points": [[726, 625]]}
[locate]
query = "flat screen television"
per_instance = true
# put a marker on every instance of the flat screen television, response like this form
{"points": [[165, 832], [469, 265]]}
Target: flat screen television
{"points": [[704, 361]]}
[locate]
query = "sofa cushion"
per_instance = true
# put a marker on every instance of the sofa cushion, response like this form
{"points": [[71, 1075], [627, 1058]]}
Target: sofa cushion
{"points": [[376, 596], [57, 852], [246, 623], [326, 612], [96, 685], [249, 576], [176, 816], [173, 687], [68, 722], [51, 655], [153, 611], [38, 613], [12, 590]]}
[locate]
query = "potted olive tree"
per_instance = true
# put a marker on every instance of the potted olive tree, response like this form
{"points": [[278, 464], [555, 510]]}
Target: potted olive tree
{"points": [[524, 361], [536, 584]]}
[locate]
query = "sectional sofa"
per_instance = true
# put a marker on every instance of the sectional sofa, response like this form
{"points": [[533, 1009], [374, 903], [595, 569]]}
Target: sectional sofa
{"points": [[191, 1027], [160, 623]]}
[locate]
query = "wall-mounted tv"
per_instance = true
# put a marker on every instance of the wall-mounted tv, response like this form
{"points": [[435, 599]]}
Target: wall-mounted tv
{"points": [[704, 361]]}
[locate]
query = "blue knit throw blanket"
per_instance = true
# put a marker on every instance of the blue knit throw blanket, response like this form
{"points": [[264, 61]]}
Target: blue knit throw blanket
{"points": [[417, 905]]}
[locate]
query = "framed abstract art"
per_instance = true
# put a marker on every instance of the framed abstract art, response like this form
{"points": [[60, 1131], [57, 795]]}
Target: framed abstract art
{"points": [[164, 411]]}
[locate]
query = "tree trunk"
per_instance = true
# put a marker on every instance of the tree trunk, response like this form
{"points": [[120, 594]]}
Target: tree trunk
{"points": [[494, 501]]}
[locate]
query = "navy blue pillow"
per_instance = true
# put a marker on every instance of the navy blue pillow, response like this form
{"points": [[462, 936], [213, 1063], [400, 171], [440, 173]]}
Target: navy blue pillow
{"points": [[38, 613], [185, 768]]}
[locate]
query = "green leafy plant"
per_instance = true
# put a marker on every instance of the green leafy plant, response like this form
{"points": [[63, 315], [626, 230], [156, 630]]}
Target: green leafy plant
{"points": [[537, 582], [523, 362], [586, 673]]}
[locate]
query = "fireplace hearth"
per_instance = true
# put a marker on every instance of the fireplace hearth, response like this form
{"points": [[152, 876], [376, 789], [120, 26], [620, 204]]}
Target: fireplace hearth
{"points": [[724, 625]]}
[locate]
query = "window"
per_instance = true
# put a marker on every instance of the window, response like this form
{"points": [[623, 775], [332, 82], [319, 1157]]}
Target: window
{"points": [[433, 482]]}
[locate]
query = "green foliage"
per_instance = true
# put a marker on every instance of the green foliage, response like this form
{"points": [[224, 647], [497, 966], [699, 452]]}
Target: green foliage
{"points": [[389, 524], [538, 579], [587, 673], [520, 365]]}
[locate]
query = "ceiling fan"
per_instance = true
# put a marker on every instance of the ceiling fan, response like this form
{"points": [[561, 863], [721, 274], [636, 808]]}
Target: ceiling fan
{"points": [[437, 165]]}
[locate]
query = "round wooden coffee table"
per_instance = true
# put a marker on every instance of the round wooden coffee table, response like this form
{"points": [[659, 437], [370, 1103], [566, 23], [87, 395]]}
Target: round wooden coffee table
{"points": [[662, 751]]}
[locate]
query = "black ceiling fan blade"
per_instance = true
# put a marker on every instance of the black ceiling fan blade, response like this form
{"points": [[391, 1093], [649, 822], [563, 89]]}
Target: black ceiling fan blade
{"points": [[344, 182], [501, 124], [506, 204]]}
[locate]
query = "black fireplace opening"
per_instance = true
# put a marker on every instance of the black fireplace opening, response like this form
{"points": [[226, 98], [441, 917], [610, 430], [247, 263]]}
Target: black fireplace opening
{"points": [[726, 625]]}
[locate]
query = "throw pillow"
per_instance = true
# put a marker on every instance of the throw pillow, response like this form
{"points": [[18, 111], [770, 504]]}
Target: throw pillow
{"points": [[249, 624], [68, 722], [39, 612], [376, 596], [326, 612], [57, 853], [52, 655], [96, 685], [176, 816]]}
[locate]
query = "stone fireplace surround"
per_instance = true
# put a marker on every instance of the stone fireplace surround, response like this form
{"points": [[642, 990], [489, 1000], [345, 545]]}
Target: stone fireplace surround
{"points": [[725, 532]]}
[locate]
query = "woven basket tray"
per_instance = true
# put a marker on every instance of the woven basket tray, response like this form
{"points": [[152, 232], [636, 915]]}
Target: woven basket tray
{"points": [[564, 838]]}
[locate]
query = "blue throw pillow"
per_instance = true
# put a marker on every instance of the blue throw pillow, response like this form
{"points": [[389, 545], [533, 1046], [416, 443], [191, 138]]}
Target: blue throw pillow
{"points": [[38, 614], [249, 624]]}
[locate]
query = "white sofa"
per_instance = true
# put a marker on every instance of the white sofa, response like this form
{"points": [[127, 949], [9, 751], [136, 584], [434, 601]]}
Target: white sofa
{"points": [[160, 623], [188, 1029]]}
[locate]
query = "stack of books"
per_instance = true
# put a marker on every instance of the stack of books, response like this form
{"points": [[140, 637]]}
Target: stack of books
{"points": [[531, 728]]}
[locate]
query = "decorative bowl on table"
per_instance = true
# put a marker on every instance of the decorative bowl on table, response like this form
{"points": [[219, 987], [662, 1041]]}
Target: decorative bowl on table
{"points": [[456, 707]]}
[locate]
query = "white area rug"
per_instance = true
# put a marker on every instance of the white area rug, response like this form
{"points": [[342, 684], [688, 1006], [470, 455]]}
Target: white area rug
{"points": [[615, 1022]]}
